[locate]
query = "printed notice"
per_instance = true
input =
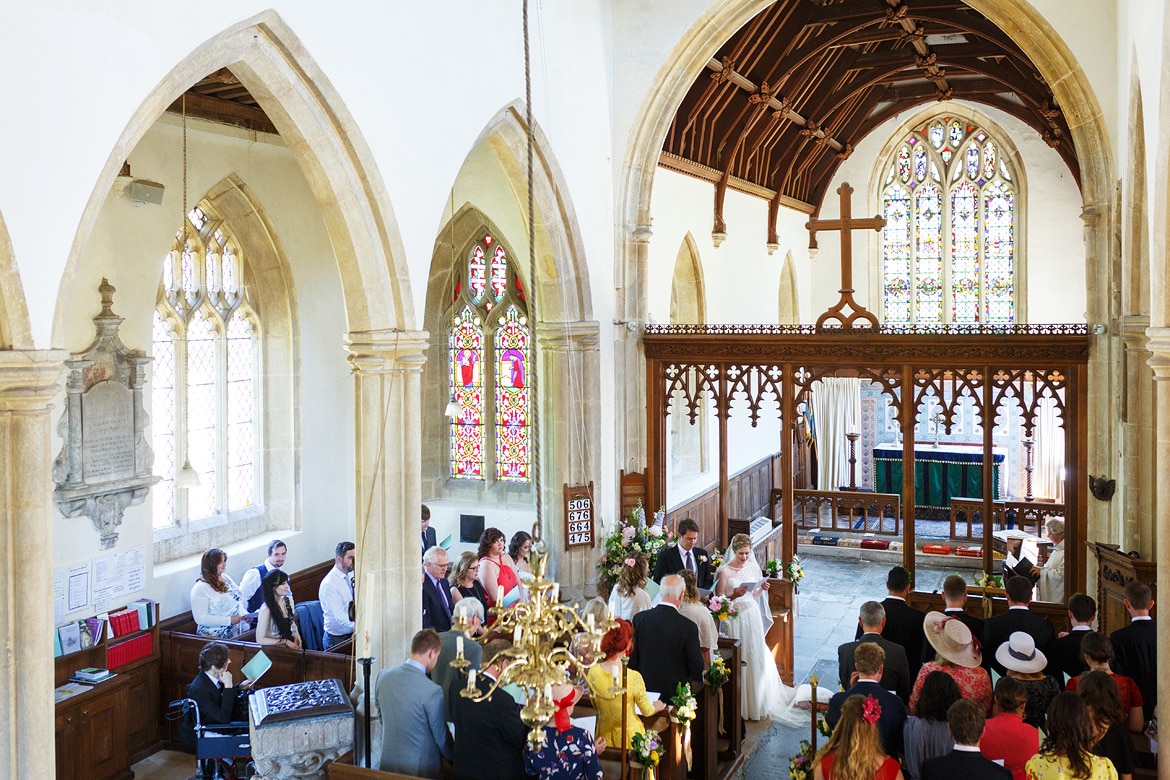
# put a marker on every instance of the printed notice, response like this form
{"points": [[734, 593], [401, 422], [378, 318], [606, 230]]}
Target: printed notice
{"points": [[118, 575], [78, 594]]}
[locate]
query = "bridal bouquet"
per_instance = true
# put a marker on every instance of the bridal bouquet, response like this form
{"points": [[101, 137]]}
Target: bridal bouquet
{"points": [[631, 535], [722, 608], [800, 766]]}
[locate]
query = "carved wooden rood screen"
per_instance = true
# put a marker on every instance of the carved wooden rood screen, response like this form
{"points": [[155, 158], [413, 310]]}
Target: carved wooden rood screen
{"points": [[992, 373]]}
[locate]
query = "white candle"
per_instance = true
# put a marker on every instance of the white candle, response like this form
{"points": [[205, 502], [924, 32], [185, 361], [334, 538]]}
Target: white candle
{"points": [[617, 677], [471, 680], [459, 646], [516, 636], [499, 594], [589, 621], [556, 592], [609, 609], [548, 691]]}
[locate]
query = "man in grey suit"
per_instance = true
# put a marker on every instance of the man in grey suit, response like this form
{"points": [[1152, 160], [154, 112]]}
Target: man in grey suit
{"points": [[896, 677], [414, 731], [469, 612]]}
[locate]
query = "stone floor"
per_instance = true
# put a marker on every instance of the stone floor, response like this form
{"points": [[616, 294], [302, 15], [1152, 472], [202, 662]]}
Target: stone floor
{"points": [[837, 581]]}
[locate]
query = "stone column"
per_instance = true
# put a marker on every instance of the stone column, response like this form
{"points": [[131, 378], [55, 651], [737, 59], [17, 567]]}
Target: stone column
{"points": [[570, 423], [28, 383], [387, 372], [629, 358], [1159, 346], [1138, 439]]}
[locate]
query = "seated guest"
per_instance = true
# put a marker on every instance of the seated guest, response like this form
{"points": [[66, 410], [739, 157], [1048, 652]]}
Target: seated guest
{"points": [[1050, 576], [1097, 650], [519, 548], [414, 731], [275, 624], [250, 582], [666, 644], [955, 598], [616, 645], [337, 596], [854, 751], [1133, 646], [965, 720], [469, 613], [1026, 664], [693, 609], [1067, 750], [1110, 739], [1006, 737], [958, 656], [490, 735], [628, 596], [997, 630], [869, 658], [903, 622], [1064, 655], [216, 603], [463, 582], [896, 677], [497, 570], [217, 699], [686, 554], [437, 601], [568, 752], [926, 734]]}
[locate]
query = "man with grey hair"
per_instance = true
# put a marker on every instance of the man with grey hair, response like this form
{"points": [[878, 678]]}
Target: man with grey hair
{"points": [[896, 674], [437, 601], [468, 617], [666, 644], [1050, 586]]}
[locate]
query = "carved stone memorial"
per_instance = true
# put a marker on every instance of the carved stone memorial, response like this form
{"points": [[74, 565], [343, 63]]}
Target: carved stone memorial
{"points": [[298, 730], [105, 463]]}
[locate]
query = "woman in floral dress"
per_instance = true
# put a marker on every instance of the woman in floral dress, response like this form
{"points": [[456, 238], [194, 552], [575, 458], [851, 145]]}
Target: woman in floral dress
{"points": [[569, 752]]}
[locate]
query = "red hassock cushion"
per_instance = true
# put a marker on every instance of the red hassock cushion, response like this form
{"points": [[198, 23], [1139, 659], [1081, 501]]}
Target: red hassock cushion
{"points": [[875, 544]]}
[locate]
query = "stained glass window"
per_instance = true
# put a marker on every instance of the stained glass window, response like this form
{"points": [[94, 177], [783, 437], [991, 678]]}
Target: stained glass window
{"points": [[490, 357], [203, 389], [949, 247]]}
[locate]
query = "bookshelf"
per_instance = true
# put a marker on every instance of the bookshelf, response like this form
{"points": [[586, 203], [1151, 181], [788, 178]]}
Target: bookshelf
{"points": [[102, 731]]}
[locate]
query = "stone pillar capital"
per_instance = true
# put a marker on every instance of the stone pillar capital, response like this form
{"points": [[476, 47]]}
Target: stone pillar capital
{"points": [[568, 336], [1159, 346], [30, 379], [388, 350], [641, 233]]}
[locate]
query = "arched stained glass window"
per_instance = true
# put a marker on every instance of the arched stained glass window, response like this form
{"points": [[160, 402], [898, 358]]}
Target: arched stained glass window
{"points": [[206, 360], [490, 357], [949, 245]]}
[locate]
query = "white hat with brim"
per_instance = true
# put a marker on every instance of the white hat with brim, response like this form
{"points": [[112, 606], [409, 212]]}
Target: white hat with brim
{"points": [[1019, 654], [951, 639]]}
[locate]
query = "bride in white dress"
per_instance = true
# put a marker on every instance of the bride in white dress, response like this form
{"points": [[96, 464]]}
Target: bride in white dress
{"points": [[740, 579]]}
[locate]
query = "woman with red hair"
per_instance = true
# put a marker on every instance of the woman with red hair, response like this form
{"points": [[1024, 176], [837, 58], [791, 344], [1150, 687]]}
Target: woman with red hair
{"points": [[603, 677]]}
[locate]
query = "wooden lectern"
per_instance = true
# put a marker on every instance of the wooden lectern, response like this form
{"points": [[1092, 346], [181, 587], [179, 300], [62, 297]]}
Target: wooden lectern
{"points": [[1115, 570]]}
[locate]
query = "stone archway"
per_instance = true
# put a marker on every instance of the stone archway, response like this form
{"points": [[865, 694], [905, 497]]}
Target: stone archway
{"points": [[15, 329]]}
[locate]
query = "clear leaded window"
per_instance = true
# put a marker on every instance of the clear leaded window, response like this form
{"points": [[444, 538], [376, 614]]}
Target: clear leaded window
{"points": [[490, 353], [206, 361], [949, 245]]}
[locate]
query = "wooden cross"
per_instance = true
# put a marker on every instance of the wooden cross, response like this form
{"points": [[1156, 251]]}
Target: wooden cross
{"points": [[846, 224]]}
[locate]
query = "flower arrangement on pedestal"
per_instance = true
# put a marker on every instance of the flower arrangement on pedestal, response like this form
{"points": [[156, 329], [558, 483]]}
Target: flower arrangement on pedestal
{"points": [[772, 567], [985, 580], [631, 535]]}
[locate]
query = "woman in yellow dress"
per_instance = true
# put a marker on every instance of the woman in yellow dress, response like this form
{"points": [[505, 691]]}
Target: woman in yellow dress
{"points": [[616, 644]]}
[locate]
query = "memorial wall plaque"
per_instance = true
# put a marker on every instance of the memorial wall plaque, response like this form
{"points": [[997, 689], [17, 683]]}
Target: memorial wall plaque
{"points": [[105, 463]]}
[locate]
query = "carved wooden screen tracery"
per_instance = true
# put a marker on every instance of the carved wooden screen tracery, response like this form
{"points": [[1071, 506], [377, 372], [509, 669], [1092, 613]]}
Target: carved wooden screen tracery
{"points": [[767, 370]]}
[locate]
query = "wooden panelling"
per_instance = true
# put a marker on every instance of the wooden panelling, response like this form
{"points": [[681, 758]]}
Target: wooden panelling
{"points": [[749, 496]]}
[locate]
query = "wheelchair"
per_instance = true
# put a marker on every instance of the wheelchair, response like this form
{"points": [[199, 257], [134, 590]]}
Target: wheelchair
{"points": [[223, 746]]}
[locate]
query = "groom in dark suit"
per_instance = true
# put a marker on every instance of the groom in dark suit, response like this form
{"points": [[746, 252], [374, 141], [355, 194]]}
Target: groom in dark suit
{"points": [[686, 555], [666, 644], [965, 719]]}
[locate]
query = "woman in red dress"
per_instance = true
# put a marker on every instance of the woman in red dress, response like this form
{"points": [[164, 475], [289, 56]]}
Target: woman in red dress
{"points": [[497, 571], [854, 752]]}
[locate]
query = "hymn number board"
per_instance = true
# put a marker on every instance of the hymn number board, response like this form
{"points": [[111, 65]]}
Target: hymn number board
{"points": [[579, 525]]}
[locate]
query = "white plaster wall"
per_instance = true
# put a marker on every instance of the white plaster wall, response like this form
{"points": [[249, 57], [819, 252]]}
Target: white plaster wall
{"points": [[127, 247]]}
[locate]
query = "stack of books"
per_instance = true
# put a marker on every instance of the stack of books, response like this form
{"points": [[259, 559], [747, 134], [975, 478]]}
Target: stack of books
{"points": [[124, 621], [122, 653], [90, 675]]}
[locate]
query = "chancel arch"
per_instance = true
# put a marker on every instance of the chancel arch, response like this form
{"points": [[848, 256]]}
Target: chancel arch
{"points": [[488, 198], [15, 330]]}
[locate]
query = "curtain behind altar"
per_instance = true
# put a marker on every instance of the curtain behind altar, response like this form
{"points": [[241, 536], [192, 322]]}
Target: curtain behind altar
{"points": [[1049, 465], [836, 406]]}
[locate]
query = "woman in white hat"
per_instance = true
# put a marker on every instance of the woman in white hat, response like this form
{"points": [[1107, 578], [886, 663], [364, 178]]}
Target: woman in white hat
{"points": [[1026, 664], [959, 655]]}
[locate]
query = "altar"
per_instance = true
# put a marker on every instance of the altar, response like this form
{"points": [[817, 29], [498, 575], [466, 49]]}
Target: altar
{"points": [[939, 473]]}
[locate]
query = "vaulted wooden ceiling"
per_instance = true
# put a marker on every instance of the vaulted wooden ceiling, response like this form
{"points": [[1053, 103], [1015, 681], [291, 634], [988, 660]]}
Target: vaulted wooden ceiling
{"points": [[784, 102], [220, 97]]}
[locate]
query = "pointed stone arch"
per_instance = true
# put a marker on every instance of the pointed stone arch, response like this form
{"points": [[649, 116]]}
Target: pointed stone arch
{"points": [[789, 302], [566, 355], [688, 292], [15, 328]]}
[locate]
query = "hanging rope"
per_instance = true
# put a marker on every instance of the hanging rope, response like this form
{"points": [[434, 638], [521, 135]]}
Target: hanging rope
{"points": [[538, 526]]}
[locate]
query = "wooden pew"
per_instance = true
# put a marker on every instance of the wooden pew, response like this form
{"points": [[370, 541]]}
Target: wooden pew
{"points": [[338, 771]]}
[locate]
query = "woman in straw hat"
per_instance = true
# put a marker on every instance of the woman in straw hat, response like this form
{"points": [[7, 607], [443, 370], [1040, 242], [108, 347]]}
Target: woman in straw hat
{"points": [[959, 655], [1026, 664]]}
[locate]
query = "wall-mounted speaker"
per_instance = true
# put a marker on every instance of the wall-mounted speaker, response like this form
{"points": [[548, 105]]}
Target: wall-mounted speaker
{"points": [[143, 191]]}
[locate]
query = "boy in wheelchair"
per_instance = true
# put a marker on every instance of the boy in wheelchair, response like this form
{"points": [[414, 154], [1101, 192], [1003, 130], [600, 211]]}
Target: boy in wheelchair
{"points": [[219, 703]]}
